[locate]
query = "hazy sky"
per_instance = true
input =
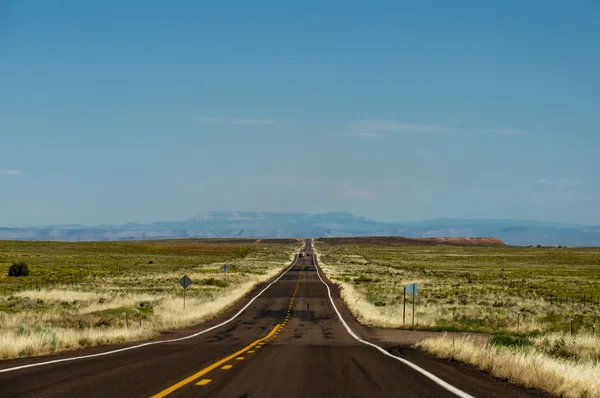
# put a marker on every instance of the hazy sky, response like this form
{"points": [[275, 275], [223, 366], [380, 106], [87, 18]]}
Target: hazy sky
{"points": [[124, 111]]}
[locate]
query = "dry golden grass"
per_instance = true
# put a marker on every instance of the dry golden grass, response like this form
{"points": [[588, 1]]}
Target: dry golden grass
{"points": [[471, 289], [364, 310], [129, 305], [530, 368], [584, 346], [40, 340], [170, 313], [466, 289]]}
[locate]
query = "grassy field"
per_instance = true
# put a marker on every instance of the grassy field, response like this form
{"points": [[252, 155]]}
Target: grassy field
{"points": [[475, 289], [89, 293], [540, 305]]}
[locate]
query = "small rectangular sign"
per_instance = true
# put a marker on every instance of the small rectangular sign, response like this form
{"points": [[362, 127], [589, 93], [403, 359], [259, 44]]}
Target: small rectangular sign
{"points": [[225, 268], [412, 288], [185, 282]]}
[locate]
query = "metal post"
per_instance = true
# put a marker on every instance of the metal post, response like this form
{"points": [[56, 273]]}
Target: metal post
{"points": [[571, 327], [127, 320], [413, 312], [404, 306], [518, 320], [184, 298]]}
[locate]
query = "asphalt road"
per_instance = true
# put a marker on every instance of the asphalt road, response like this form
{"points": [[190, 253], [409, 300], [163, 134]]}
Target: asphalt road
{"points": [[288, 342]]}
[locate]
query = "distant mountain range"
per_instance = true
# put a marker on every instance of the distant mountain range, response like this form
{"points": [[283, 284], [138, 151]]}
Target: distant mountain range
{"points": [[284, 225]]}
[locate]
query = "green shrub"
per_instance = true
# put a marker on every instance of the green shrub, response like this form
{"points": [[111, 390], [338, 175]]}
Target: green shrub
{"points": [[561, 349], [18, 269], [510, 341], [213, 282], [48, 335], [362, 279]]}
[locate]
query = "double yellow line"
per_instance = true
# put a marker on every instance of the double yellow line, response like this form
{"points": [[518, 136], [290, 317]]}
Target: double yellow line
{"points": [[215, 365], [257, 343], [287, 316]]}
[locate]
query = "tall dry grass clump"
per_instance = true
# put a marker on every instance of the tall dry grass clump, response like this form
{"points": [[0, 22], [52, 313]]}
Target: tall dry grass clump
{"points": [[169, 313], [40, 340], [528, 367], [367, 313], [581, 346]]}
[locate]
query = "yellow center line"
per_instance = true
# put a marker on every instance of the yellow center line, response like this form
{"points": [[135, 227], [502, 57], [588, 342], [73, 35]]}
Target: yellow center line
{"points": [[215, 365], [256, 344], [287, 317]]}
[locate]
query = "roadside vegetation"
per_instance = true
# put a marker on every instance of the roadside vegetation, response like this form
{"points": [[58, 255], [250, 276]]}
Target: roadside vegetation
{"points": [[540, 306], [556, 366], [83, 294]]}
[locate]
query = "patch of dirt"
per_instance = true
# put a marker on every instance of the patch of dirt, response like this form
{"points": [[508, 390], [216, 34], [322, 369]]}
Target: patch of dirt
{"points": [[468, 241], [402, 241], [408, 338], [278, 241], [355, 259]]}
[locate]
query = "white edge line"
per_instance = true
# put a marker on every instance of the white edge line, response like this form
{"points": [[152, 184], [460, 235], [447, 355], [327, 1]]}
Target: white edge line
{"points": [[31, 365], [425, 373]]}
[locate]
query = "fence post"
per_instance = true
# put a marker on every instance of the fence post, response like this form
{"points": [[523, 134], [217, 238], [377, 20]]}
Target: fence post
{"points": [[571, 327], [404, 306]]}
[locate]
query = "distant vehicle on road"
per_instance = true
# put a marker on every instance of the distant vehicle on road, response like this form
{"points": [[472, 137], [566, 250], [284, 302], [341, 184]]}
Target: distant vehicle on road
{"points": [[301, 254]]}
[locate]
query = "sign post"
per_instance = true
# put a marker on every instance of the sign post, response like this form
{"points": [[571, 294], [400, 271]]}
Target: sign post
{"points": [[185, 282], [225, 268], [412, 289], [404, 305]]}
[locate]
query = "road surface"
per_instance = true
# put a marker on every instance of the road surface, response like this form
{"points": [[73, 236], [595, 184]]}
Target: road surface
{"points": [[290, 341]]}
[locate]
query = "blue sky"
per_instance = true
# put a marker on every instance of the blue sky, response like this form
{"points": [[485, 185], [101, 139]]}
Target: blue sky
{"points": [[116, 111]]}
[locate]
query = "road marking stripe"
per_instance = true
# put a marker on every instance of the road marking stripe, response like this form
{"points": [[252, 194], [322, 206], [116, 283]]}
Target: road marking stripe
{"points": [[237, 314], [227, 367], [425, 373], [203, 382], [239, 358], [215, 365]]}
